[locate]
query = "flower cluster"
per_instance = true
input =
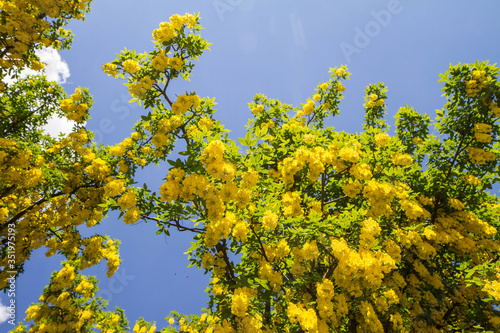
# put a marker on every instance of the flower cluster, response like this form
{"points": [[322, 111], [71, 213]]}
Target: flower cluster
{"points": [[73, 108]]}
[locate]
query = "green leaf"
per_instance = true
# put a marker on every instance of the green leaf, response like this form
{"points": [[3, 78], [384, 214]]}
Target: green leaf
{"points": [[243, 142]]}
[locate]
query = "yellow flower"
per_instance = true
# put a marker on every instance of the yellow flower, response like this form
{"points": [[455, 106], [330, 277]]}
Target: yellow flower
{"points": [[381, 139], [471, 180], [165, 33], [127, 200], [131, 66], [308, 108], [417, 141], [109, 69], [361, 171], [114, 187], [309, 139], [402, 159], [176, 63], [270, 220]]}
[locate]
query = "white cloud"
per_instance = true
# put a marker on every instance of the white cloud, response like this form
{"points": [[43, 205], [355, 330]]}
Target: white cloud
{"points": [[4, 313], [56, 125], [56, 69]]}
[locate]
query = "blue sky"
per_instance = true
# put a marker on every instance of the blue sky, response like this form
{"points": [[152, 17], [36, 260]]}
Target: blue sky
{"points": [[282, 49]]}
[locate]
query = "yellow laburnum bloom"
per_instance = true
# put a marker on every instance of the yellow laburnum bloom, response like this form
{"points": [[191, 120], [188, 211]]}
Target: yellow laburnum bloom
{"points": [[349, 154], [274, 279], [164, 33], [114, 187], [370, 104], [4, 212], [369, 231], [113, 263], [361, 171], [178, 21], [176, 63], [483, 137], [401, 159], [381, 139], [228, 172], [64, 278], [122, 166], [479, 156], [131, 66], [352, 189], [228, 191], [98, 170], [309, 138], [85, 288], [413, 210], [77, 95], [240, 301], [206, 123], [417, 141], [455, 203], [471, 180], [291, 202], [270, 220], [160, 62], [482, 128], [160, 140], [240, 231], [249, 179], [127, 200], [146, 150], [308, 108], [109, 69], [132, 215], [307, 318]]}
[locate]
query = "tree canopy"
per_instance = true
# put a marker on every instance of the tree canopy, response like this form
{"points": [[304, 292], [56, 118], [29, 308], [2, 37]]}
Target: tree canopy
{"points": [[301, 227]]}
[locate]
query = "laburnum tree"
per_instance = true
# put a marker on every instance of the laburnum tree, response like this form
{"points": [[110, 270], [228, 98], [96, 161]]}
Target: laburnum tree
{"points": [[302, 228]]}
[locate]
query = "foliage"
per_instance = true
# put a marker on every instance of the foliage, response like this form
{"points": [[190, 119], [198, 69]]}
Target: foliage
{"points": [[29, 25], [307, 229]]}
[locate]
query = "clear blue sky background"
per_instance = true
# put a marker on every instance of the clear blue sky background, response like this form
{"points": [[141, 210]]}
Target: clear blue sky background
{"points": [[282, 49]]}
